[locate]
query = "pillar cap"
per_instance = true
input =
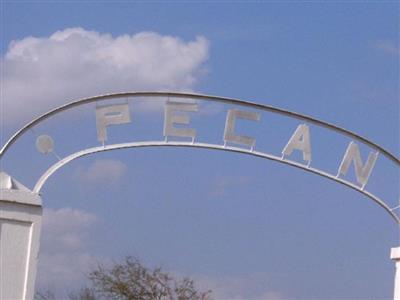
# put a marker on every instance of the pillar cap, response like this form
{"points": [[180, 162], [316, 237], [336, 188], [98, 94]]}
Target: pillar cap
{"points": [[395, 253], [14, 191], [9, 183]]}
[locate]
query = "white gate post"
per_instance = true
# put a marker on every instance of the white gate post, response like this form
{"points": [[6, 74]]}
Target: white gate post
{"points": [[20, 225]]}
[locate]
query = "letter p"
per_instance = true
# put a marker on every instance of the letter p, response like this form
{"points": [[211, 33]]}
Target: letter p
{"points": [[110, 115]]}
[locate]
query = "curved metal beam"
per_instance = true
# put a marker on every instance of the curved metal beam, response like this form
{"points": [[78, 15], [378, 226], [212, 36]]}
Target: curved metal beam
{"points": [[93, 150], [204, 98]]}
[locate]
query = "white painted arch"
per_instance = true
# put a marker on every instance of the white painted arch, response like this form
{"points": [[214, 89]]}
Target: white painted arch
{"points": [[152, 96], [42, 180], [281, 159]]}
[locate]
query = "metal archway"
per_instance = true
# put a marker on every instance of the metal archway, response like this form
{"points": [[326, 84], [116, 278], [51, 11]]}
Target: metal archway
{"points": [[264, 107], [42, 180], [224, 100], [392, 211]]}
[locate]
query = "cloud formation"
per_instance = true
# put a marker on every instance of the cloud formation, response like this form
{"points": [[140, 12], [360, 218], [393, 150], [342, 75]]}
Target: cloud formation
{"points": [[388, 47], [226, 182], [65, 228], [42, 73], [64, 257], [101, 172]]}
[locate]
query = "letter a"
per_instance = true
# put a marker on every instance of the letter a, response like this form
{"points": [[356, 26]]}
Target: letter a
{"points": [[300, 140]]}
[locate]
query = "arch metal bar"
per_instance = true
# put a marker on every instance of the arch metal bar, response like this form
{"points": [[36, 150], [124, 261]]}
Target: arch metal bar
{"points": [[204, 98], [93, 150]]}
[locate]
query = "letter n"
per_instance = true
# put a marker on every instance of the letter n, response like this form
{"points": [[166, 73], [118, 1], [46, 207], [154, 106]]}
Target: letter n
{"points": [[363, 171]]}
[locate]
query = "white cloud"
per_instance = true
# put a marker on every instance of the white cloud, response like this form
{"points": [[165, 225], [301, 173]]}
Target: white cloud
{"points": [[64, 257], [65, 228], [63, 272], [227, 182], [42, 73], [388, 47], [102, 171]]}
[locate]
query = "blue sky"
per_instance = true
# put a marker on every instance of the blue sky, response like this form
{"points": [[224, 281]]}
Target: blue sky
{"points": [[245, 227]]}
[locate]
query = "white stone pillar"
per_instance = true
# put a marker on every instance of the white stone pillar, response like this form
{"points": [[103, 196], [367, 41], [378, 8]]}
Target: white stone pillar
{"points": [[20, 225], [395, 255]]}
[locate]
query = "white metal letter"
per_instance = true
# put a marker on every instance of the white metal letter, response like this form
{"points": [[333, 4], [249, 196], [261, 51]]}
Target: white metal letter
{"points": [[110, 115], [300, 140], [229, 133], [172, 118], [362, 171]]}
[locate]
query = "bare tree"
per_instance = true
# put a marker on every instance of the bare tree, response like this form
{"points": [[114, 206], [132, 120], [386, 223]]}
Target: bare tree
{"points": [[130, 280], [83, 294]]}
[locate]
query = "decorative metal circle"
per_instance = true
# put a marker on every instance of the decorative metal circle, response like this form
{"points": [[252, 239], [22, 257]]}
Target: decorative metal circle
{"points": [[44, 144]]}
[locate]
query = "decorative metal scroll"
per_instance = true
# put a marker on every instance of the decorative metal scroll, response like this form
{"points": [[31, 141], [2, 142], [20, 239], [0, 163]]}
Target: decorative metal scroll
{"points": [[180, 108]]}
